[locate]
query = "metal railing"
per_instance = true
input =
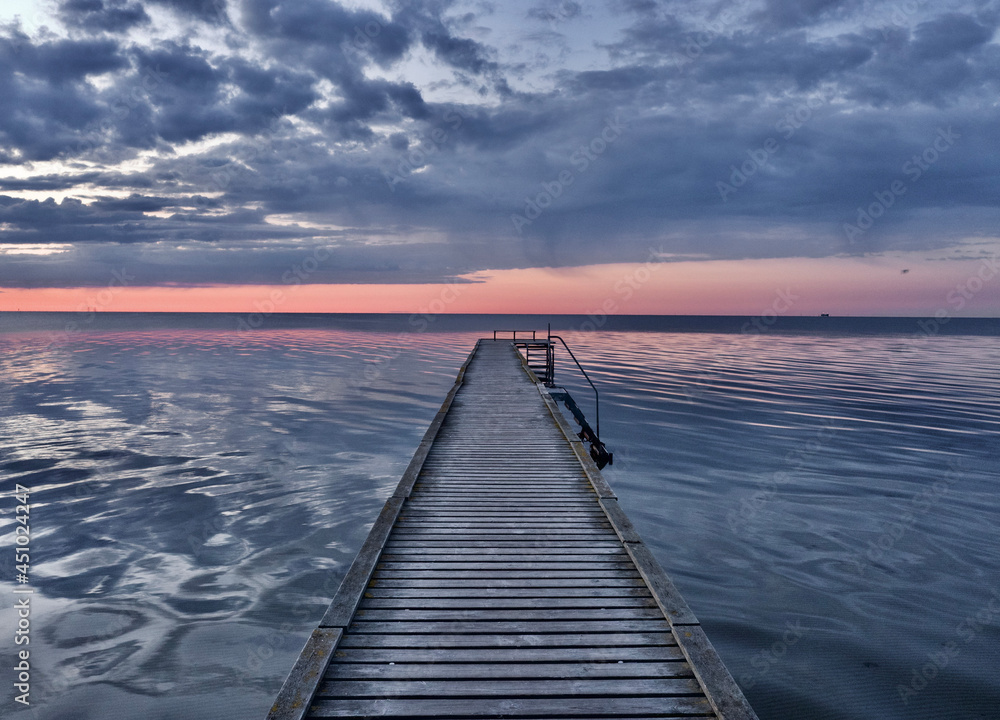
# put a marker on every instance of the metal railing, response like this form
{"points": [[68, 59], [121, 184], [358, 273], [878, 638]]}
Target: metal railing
{"points": [[546, 374], [514, 333], [597, 396]]}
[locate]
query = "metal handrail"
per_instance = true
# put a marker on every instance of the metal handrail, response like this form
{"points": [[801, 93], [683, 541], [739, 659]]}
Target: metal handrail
{"points": [[597, 398], [514, 333]]}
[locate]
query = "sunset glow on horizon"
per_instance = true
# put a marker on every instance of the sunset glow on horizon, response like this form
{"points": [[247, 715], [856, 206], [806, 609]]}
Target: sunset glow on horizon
{"points": [[792, 286], [524, 157]]}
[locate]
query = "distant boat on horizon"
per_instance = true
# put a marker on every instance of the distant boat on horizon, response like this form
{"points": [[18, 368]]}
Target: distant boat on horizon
{"points": [[824, 315]]}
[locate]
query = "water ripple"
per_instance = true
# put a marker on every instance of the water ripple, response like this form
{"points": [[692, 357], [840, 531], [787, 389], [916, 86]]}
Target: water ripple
{"points": [[201, 493]]}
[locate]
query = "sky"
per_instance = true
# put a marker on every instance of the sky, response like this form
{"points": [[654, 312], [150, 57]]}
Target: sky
{"points": [[547, 156]]}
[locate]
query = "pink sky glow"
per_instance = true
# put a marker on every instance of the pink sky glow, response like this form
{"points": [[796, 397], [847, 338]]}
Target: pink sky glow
{"points": [[798, 286]]}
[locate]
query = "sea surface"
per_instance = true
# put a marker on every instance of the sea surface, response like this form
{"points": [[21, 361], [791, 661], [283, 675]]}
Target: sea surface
{"points": [[825, 496]]}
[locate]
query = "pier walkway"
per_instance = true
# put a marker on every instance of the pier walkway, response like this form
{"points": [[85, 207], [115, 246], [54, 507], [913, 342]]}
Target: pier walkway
{"points": [[502, 580]]}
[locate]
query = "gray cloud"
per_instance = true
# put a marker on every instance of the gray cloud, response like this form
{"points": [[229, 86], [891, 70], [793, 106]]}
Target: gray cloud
{"points": [[798, 13], [103, 15], [406, 142], [211, 11], [948, 35]]}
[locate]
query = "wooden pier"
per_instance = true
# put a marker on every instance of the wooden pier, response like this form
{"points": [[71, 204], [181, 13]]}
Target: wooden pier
{"points": [[502, 580]]}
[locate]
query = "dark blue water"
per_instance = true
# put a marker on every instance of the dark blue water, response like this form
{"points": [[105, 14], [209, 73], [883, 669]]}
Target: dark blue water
{"points": [[825, 501]]}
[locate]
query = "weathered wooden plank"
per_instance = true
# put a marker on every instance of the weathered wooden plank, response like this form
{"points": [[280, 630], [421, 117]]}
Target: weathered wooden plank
{"points": [[458, 568], [297, 691], [450, 448], [484, 486], [490, 488], [606, 540], [526, 464], [505, 603], [513, 707], [456, 514], [499, 462], [498, 615], [474, 478], [403, 550], [505, 505], [449, 575], [604, 536], [466, 472], [502, 504], [623, 526], [549, 480], [595, 532], [485, 583], [491, 499], [490, 594], [555, 500], [607, 654], [498, 556], [547, 531], [511, 671], [491, 492], [506, 640], [558, 545], [725, 695], [599, 688], [537, 524], [669, 599], [522, 627], [463, 514], [506, 501], [506, 561], [357, 577], [578, 498], [497, 539], [599, 528], [429, 549]]}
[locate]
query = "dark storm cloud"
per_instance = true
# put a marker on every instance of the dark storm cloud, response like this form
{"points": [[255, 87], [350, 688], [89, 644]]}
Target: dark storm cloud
{"points": [[460, 53], [364, 99], [939, 64], [623, 79], [108, 15], [328, 30], [797, 13], [95, 264], [31, 216], [789, 59], [336, 43], [950, 35], [320, 137], [178, 93], [465, 55], [61, 61], [47, 182], [211, 11], [40, 120]]}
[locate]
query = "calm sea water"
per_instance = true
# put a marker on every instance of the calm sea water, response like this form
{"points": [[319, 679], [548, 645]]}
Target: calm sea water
{"points": [[827, 503]]}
